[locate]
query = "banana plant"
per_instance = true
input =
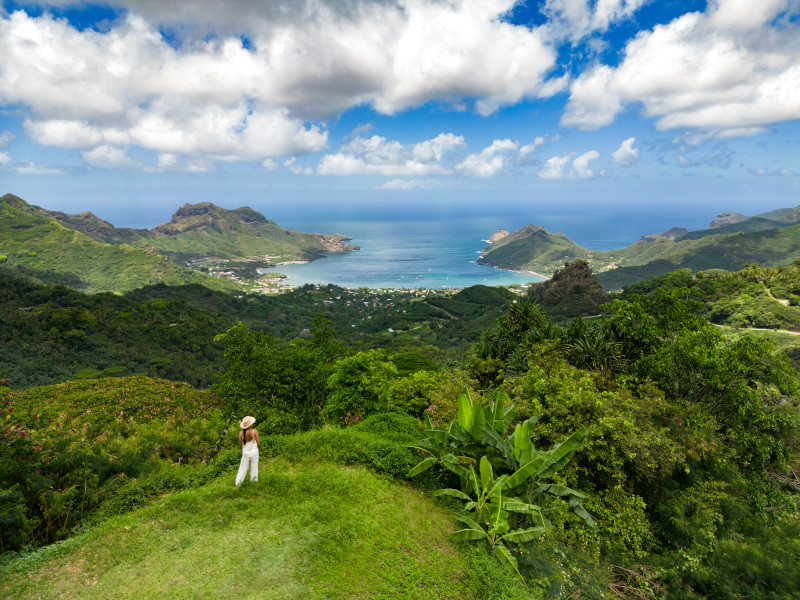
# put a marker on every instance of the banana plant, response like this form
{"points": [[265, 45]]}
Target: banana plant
{"points": [[476, 436], [491, 508]]}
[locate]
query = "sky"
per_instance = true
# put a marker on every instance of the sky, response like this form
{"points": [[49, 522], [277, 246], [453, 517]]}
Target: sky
{"points": [[131, 108]]}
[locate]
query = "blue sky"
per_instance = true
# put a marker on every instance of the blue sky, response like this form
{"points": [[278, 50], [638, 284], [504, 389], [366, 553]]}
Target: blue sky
{"points": [[133, 107]]}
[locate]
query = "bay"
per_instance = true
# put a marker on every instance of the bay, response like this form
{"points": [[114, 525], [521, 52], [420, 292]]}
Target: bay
{"points": [[436, 246], [406, 253]]}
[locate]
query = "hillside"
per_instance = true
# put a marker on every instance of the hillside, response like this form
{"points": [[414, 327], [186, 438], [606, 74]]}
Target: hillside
{"points": [[671, 469], [730, 243], [37, 247], [514, 251], [310, 530], [329, 517], [202, 231]]}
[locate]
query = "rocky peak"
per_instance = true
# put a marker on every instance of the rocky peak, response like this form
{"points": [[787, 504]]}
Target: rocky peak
{"points": [[726, 218], [497, 235], [670, 234]]}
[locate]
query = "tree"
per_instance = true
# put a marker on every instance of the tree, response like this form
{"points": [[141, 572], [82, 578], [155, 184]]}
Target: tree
{"points": [[266, 375], [358, 386]]}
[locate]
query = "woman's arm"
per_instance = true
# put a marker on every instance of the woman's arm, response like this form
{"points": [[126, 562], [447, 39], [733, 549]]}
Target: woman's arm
{"points": [[241, 434], [258, 441]]}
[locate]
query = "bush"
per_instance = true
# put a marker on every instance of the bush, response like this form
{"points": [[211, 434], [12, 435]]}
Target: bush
{"points": [[273, 421], [358, 386], [413, 394], [343, 446], [396, 427]]}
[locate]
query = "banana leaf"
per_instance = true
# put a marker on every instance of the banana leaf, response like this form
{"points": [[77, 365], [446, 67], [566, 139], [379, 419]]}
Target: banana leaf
{"points": [[519, 536], [423, 466], [454, 493], [578, 509], [509, 562]]}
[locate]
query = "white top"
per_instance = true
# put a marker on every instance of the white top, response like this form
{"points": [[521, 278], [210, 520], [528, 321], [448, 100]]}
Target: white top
{"points": [[250, 446]]}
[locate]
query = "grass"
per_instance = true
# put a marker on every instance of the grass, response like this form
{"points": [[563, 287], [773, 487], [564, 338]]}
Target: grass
{"points": [[307, 530]]}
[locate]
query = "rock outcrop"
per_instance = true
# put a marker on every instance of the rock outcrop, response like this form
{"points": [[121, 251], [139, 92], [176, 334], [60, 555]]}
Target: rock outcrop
{"points": [[498, 235]]}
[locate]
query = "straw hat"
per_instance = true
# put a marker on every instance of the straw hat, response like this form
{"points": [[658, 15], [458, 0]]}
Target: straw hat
{"points": [[247, 422]]}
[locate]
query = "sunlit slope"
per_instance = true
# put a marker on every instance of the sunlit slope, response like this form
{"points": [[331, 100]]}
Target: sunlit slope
{"points": [[754, 240], [532, 248], [770, 247], [206, 230], [308, 530], [37, 247]]}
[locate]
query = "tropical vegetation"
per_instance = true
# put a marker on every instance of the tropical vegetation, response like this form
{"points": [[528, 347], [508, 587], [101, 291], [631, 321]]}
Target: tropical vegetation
{"points": [[560, 442]]}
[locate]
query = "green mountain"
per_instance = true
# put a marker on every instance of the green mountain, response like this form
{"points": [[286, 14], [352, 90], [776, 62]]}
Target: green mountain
{"points": [[35, 246], [783, 215], [749, 225], [202, 231], [514, 251], [730, 243]]}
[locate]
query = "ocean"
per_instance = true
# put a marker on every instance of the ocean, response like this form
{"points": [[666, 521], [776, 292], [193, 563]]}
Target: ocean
{"points": [[405, 253], [424, 248]]}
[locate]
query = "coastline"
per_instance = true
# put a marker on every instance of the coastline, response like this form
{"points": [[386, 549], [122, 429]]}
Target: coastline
{"points": [[525, 272]]}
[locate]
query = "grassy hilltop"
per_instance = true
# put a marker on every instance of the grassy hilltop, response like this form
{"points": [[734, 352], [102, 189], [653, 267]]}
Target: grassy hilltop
{"points": [[320, 523]]}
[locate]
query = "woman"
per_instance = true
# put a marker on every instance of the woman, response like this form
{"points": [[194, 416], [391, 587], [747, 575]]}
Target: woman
{"points": [[248, 443]]}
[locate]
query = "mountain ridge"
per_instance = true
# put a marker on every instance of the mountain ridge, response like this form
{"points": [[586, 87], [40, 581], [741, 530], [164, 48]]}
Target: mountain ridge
{"points": [[205, 229], [90, 254], [729, 243]]}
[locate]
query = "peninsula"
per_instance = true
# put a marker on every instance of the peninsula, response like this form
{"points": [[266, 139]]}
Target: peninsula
{"points": [[730, 242]]}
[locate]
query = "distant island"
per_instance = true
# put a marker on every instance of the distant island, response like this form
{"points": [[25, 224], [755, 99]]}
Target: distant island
{"points": [[731, 241], [202, 243]]}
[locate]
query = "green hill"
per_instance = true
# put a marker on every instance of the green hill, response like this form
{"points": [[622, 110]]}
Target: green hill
{"points": [[309, 530], [198, 231], [729, 246], [747, 226], [37, 247], [135, 459], [783, 215], [515, 251]]}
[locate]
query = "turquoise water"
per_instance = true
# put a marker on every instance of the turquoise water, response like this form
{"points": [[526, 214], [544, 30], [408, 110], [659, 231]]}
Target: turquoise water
{"points": [[436, 246], [406, 253]]}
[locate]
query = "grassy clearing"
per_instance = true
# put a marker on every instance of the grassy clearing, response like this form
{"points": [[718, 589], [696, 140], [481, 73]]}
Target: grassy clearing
{"points": [[307, 530]]}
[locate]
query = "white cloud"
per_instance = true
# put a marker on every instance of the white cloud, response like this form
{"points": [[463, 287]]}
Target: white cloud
{"points": [[297, 169], [109, 157], [554, 168], [434, 150], [528, 148], [744, 14], [577, 19], [5, 138], [594, 100], [168, 162], [698, 137], [378, 156], [211, 97], [558, 167], [728, 69], [270, 165], [410, 184], [28, 168], [772, 172], [626, 155], [580, 166], [5, 158], [490, 161], [64, 133]]}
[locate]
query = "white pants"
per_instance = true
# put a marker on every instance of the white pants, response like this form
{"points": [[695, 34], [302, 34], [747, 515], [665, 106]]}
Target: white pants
{"points": [[249, 460]]}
